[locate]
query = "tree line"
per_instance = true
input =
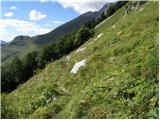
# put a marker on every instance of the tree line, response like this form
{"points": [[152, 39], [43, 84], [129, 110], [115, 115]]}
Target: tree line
{"points": [[112, 8], [20, 70]]}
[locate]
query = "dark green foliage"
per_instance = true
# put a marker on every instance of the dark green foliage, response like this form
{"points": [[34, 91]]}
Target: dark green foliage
{"points": [[17, 70], [110, 11], [41, 59], [142, 2], [114, 7], [12, 75], [153, 113], [103, 16], [91, 24], [30, 64], [82, 35], [7, 82]]}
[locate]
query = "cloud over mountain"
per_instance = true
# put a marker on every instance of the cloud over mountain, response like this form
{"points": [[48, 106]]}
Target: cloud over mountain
{"points": [[35, 15], [82, 6]]}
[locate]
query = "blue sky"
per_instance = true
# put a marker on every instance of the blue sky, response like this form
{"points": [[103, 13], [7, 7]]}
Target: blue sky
{"points": [[23, 17], [53, 11]]}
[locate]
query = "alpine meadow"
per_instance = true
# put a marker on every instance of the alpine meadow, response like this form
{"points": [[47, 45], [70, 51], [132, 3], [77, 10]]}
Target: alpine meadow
{"points": [[101, 64]]}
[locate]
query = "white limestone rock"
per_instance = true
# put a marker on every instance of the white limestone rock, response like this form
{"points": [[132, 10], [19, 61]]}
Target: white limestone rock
{"points": [[68, 57], [113, 26], [100, 35], [77, 66], [80, 50], [140, 9]]}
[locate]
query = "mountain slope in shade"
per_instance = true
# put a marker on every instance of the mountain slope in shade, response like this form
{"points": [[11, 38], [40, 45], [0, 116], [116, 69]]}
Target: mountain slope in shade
{"points": [[2, 42], [21, 45], [119, 79]]}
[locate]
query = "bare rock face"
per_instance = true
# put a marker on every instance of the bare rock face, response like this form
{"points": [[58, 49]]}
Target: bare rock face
{"points": [[133, 6]]}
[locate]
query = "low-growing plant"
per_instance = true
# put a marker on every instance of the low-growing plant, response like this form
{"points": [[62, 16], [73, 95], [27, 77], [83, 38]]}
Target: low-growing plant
{"points": [[150, 67]]}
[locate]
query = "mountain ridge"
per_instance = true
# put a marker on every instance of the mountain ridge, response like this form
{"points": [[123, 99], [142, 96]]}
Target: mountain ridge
{"points": [[40, 40]]}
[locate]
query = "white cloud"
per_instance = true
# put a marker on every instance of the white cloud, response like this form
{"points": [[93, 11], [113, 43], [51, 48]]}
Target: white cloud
{"points": [[13, 8], [9, 14], [58, 22], [20, 27], [35, 15], [45, 1], [82, 6]]}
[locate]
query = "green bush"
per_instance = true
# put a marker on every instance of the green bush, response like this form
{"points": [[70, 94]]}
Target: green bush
{"points": [[135, 70], [47, 112], [8, 110], [98, 112], [47, 96], [40, 113], [81, 110], [119, 50], [115, 40], [153, 113], [150, 67]]}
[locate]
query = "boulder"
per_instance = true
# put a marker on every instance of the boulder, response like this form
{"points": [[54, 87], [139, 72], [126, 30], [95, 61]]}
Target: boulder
{"points": [[77, 66]]}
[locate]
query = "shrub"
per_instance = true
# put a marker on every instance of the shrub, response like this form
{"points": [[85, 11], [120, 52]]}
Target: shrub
{"points": [[150, 67], [47, 96], [8, 110], [47, 112], [135, 70], [119, 50], [153, 114], [98, 112], [81, 110], [41, 113], [114, 40]]}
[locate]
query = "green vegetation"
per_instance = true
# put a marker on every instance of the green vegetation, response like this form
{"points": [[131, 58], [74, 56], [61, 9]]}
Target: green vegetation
{"points": [[19, 71], [119, 80]]}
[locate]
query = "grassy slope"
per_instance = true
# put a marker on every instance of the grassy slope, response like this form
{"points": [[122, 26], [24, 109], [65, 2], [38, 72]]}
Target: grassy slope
{"points": [[113, 83]]}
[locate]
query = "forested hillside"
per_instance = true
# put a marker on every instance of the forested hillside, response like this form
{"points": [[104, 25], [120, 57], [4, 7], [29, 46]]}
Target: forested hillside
{"points": [[117, 75]]}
